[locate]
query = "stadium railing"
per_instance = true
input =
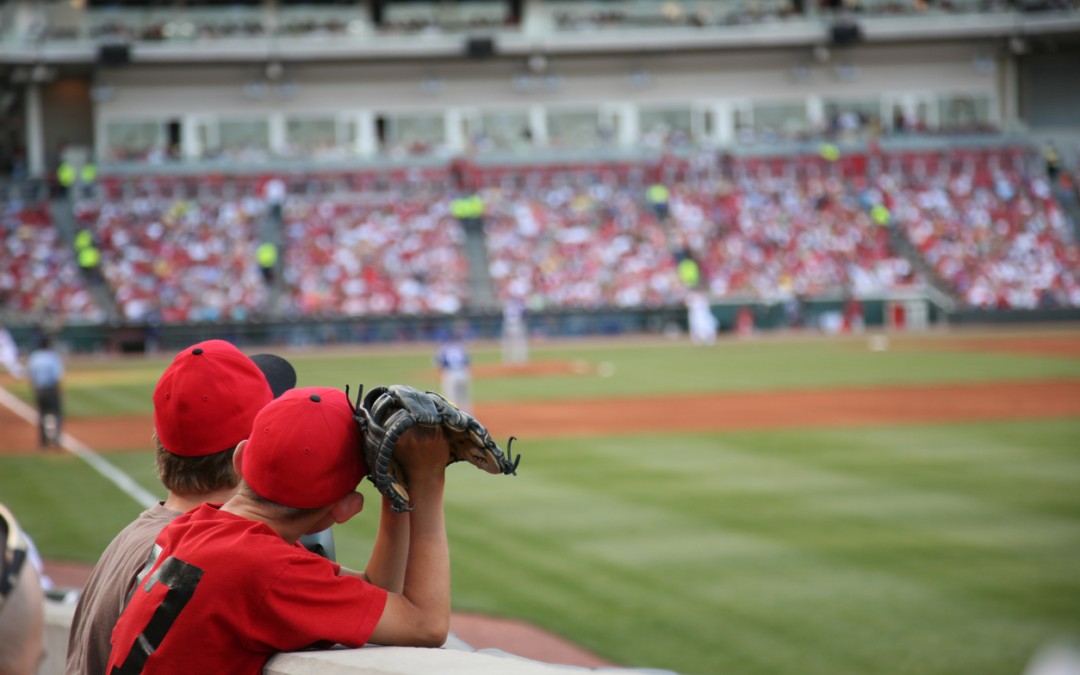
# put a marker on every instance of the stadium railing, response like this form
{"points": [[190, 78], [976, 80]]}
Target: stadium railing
{"points": [[550, 157], [345, 32]]}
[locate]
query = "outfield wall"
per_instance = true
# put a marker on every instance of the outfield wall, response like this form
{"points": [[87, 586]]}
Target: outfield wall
{"points": [[455, 658], [89, 338], [915, 312]]}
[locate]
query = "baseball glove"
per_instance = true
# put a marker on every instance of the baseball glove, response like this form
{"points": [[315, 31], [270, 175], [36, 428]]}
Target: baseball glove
{"points": [[388, 412]]}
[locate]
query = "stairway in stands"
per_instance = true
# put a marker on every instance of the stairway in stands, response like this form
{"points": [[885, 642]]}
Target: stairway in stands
{"points": [[1070, 203], [272, 229], [481, 287], [938, 289], [63, 218]]}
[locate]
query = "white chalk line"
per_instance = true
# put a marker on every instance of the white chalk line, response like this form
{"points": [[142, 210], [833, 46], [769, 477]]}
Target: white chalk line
{"points": [[123, 481]]}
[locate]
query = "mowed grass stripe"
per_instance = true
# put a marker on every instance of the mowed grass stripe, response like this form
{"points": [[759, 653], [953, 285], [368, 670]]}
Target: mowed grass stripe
{"points": [[533, 575], [776, 581], [859, 517], [38, 487], [760, 366], [140, 464], [861, 553], [863, 539], [105, 401]]}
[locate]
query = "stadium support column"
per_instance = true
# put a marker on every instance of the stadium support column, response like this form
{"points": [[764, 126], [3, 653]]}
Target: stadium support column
{"points": [[538, 125], [278, 135], [367, 141], [536, 20], [723, 124], [815, 112], [1009, 86], [190, 143], [455, 130], [35, 132], [629, 125]]}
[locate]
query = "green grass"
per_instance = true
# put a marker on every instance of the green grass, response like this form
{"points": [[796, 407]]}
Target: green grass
{"points": [[678, 368], [640, 370], [70, 510], [914, 549], [930, 550]]}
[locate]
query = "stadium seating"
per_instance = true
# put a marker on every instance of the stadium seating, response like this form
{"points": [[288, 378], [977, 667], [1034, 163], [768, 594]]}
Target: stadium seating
{"points": [[581, 244], [994, 232], [39, 277], [567, 235], [387, 252], [178, 259]]}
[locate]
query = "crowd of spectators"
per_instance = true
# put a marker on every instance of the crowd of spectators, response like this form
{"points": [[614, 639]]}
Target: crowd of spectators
{"points": [[396, 251], [591, 244], [39, 277], [178, 259], [225, 26], [598, 16], [776, 237], [203, 21], [992, 230], [986, 223], [211, 21], [164, 29], [578, 244]]}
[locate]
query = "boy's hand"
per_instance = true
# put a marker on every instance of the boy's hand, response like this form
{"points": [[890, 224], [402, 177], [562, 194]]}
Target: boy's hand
{"points": [[395, 412], [422, 452]]}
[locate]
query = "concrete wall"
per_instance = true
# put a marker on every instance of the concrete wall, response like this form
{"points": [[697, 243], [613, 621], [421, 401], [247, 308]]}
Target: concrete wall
{"points": [[153, 91], [455, 658], [57, 622], [714, 85]]}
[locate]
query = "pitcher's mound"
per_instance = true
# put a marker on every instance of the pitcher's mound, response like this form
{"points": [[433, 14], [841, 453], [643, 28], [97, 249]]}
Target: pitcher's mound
{"points": [[534, 369]]}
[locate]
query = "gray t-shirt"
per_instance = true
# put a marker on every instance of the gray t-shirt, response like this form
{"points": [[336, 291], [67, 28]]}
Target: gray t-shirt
{"points": [[103, 597]]}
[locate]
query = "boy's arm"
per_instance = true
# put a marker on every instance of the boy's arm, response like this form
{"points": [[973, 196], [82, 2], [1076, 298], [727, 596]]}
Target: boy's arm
{"points": [[420, 614], [386, 567]]}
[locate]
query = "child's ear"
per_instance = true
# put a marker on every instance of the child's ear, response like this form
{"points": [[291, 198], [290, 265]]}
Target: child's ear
{"points": [[347, 507], [237, 461]]}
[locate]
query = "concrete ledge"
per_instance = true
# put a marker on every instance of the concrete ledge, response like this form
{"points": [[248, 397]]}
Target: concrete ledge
{"points": [[455, 658], [374, 660], [58, 617]]}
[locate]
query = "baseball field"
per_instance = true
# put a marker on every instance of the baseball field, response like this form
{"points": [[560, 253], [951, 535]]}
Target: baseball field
{"points": [[788, 504]]}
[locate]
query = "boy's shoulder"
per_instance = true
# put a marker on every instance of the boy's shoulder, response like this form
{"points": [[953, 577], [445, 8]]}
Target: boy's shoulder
{"points": [[209, 527], [236, 557], [208, 536]]}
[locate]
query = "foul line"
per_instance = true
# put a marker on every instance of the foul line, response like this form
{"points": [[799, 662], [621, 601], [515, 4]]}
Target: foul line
{"points": [[123, 481]]}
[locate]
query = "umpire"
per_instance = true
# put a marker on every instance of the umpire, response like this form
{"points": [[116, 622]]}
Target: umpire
{"points": [[46, 369]]}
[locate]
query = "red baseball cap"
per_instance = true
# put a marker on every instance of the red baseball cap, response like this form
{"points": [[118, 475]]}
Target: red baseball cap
{"points": [[304, 449], [206, 400]]}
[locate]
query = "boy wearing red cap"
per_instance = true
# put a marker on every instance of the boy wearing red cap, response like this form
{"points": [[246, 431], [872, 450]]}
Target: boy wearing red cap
{"points": [[204, 404], [228, 586]]}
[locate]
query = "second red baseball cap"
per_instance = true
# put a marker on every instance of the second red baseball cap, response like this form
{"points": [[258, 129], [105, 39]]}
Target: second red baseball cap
{"points": [[304, 449], [207, 398]]}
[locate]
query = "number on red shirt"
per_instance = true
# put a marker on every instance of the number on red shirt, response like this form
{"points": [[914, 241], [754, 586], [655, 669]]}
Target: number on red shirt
{"points": [[181, 579]]}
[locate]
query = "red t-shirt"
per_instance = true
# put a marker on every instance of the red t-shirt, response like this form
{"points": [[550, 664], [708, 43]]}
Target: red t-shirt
{"points": [[226, 593]]}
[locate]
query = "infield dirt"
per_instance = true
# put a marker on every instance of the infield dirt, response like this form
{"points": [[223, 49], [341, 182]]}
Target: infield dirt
{"points": [[854, 407]]}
